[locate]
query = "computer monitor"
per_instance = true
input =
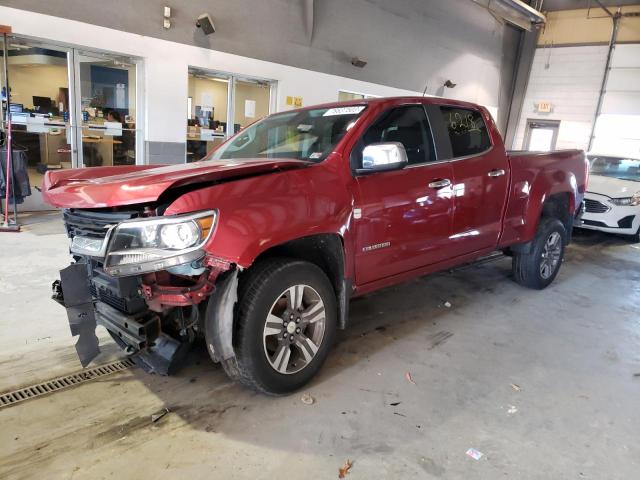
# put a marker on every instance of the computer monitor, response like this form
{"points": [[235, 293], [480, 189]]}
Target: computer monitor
{"points": [[16, 107], [42, 104]]}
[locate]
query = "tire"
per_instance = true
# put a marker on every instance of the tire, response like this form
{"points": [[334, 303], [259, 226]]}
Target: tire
{"points": [[532, 269], [261, 362], [635, 238]]}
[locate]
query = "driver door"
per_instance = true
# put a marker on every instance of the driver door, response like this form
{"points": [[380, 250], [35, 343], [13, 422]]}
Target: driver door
{"points": [[405, 215]]}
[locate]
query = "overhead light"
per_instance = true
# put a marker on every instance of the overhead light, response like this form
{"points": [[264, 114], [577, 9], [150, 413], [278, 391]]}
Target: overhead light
{"points": [[515, 12], [205, 22], [358, 62]]}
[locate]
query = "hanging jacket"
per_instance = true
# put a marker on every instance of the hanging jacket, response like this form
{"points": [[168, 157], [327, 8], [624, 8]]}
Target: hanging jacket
{"points": [[19, 172]]}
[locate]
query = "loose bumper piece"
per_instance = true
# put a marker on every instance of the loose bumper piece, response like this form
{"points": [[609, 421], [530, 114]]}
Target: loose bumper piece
{"points": [[140, 335], [72, 291]]}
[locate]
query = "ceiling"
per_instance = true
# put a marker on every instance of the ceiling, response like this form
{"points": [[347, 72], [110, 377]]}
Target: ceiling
{"points": [[552, 5]]}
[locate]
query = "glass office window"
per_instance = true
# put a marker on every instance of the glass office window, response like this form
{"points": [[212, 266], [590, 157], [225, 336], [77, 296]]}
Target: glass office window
{"points": [[219, 105], [108, 122], [251, 101], [207, 106], [38, 105]]}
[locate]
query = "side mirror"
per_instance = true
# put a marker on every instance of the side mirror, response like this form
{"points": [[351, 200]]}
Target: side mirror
{"points": [[382, 157]]}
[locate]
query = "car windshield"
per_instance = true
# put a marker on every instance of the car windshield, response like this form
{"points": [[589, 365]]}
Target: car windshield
{"points": [[303, 135], [616, 167]]}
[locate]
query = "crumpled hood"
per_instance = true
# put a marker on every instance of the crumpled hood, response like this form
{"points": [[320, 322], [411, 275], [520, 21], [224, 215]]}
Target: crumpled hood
{"points": [[100, 187], [612, 187]]}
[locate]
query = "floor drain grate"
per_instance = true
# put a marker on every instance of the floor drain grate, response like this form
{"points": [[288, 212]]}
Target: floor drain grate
{"points": [[50, 386]]}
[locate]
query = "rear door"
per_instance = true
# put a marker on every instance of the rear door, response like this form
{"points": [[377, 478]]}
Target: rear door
{"points": [[403, 217], [481, 179]]}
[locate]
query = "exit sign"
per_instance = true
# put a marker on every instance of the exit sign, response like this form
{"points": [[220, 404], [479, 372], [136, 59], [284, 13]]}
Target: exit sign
{"points": [[544, 107]]}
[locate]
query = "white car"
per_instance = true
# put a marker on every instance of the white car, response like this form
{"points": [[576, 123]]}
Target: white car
{"points": [[612, 200]]}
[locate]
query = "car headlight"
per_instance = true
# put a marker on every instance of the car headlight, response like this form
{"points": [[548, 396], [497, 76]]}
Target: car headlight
{"points": [[157, 243], [627, 201]]}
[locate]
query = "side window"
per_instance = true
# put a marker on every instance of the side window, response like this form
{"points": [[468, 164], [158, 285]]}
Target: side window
{"points": [[407, 125], [467, 131]]}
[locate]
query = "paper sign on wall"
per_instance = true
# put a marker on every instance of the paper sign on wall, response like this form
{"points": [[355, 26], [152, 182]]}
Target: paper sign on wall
{"points": [[294, 101], [250, 108], [207, 101]]}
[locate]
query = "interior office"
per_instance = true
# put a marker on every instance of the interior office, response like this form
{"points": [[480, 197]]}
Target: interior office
{"points": [[41, 108], [208, 113]]}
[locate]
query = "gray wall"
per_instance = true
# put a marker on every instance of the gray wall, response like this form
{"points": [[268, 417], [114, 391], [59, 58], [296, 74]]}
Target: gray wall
{"points": [[407, 43]]}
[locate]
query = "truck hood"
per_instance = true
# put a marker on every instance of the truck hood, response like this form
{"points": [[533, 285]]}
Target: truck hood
{"points": [[100, 187], [612, 187]]}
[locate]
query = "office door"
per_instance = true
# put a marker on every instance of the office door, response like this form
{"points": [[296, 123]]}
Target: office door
{"points": [[38, 102], [541, 135], [106, 106]]}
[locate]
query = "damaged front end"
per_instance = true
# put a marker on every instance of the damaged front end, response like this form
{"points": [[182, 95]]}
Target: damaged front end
{"points": [[144, 278]]}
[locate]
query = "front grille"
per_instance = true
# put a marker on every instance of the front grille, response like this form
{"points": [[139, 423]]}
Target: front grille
{"points": [[93, 224], [594, 206]]}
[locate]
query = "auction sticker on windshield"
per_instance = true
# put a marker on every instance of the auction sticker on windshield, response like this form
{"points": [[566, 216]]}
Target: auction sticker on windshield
{"points": [[343, 111]]}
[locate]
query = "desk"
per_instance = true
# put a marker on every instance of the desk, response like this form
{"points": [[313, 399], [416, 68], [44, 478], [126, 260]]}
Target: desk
{"points": [[98, 151], [198, 147]]}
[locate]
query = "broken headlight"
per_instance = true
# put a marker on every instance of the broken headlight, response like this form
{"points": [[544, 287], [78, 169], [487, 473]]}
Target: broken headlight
{"points": [[157, 243]]}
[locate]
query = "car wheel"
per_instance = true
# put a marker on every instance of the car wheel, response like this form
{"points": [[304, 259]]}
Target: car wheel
{"points": [[284, 327], [635, 238], [538, 268]]}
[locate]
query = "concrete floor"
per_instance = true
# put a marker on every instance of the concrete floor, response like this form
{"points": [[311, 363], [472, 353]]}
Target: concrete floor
{"points": [[573, 350]]}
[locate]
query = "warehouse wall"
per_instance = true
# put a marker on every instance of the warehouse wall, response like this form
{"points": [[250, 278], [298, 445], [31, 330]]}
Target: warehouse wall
{"points": [[164, 74], [570, 79], [568, 70], [618, 127], [582, 26], [408, 44]]}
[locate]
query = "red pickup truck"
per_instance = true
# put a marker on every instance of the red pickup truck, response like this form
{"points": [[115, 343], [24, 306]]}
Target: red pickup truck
{"points": [[259, 248]]}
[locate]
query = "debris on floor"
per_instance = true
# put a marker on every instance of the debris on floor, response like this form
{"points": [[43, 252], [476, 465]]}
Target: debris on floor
{"points": [[399, 414], [512, 409], [475, 454], [517, 388], [636, 374], [158, 415], [409, 377], [307, 399], [344, 469], [447, 304], [395, 404]]}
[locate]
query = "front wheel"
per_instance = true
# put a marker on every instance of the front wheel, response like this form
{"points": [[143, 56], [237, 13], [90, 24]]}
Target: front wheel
{"points": [[538, 268], [284, 327]]}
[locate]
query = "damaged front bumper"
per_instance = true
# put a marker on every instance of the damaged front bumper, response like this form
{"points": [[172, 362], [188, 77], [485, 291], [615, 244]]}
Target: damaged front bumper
{"points": [[145, 316]]}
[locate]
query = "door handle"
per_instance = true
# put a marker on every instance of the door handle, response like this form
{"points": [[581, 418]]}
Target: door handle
{"points": [[445, 182], [496, 173]]}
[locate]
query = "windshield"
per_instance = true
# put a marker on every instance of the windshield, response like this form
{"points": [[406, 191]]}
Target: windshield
{"points": [[616, 167], [303, 135]]}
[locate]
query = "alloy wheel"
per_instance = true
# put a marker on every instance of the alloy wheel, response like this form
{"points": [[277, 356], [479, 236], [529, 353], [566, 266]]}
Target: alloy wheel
{"points": [[294, 329], [551, 253]]}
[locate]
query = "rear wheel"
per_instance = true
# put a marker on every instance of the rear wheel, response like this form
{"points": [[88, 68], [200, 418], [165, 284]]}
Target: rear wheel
{"points": [[538, 268], [284, 327]]}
